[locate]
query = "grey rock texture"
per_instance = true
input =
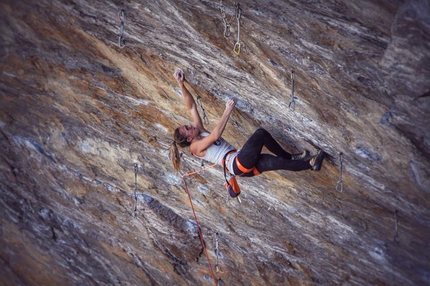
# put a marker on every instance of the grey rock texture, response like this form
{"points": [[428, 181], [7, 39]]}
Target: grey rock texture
{"points": [[78, 113]]}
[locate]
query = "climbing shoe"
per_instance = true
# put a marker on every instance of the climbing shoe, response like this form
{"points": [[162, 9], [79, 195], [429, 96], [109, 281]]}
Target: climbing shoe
{"points": [[316, 162], [300, 156]]}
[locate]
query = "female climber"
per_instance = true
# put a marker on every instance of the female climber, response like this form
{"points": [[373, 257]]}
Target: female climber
{"points": [[247, 161]]}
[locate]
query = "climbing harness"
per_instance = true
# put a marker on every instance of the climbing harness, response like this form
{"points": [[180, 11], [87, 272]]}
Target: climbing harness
{"points": [[227, 31], [205, 117], [292, 103], [231, 184], [216, 252], [396, 223], [121, 41], [238, 13], [136, 168], [339, 184], [195, 218]]}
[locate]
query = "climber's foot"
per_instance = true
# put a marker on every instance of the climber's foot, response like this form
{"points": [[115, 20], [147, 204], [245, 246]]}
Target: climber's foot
{"points": [[316, 162]]}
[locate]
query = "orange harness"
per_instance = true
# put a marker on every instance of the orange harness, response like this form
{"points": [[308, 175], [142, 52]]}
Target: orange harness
{"points": [[239, 165], [245, 170]]}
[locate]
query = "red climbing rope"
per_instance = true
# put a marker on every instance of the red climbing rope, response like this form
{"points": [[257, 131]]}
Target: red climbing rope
{"points": [[195, 218]]}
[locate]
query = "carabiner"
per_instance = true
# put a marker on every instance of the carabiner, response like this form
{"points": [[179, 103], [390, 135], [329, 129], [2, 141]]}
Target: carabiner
{"points": [[236, 48]]}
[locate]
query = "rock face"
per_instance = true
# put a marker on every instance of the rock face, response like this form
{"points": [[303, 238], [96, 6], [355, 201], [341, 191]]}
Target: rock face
{"points": [[88, 195]]}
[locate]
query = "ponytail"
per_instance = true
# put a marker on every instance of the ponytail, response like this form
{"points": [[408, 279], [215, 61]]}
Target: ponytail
{"points": [[175, 157], [181, 140]]}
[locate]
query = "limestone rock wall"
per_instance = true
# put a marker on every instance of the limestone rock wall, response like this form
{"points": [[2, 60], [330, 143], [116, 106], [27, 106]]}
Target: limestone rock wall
{"points": [[88, 196]]}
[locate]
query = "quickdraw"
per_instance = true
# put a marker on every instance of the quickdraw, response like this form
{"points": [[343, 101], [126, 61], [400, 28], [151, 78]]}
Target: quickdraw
{"points": [[292, 103], [216, 253], [121, 40], [227, 31], [396, 224], [136, 168], [205, 117], [339, 184], [236, 48]]}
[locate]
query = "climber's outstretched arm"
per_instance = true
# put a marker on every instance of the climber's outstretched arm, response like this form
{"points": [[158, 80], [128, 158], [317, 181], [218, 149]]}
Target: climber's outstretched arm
{"points": [[189, 100], [201, 145]]}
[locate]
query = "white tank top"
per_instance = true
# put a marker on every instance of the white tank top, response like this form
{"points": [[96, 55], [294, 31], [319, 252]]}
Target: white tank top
{"points": [[215, 153]]}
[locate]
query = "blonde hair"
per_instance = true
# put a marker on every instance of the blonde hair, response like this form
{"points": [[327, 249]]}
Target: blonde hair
{"points": [[175, 157]]}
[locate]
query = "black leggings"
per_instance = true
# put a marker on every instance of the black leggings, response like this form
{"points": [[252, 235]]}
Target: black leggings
{"points": [[254, 162]]}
